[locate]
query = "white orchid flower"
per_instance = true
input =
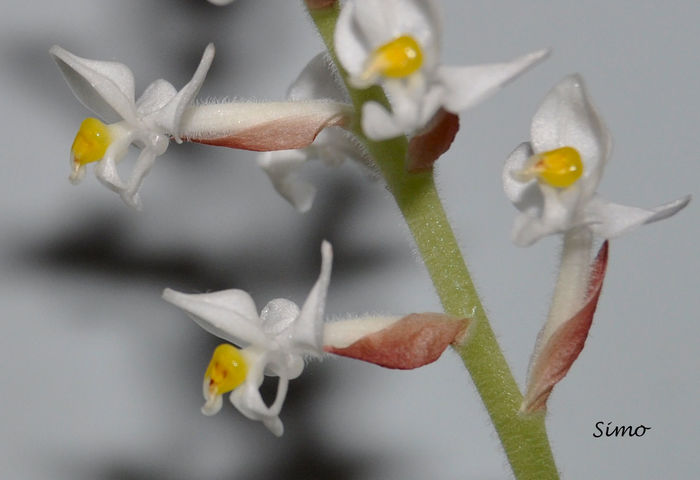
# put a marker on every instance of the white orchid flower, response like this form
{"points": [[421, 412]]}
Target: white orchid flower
{"points": [[272, 343], [162, 113], [275, 342], [107, 88], [553, 180], [396, 44], [332, 146]]}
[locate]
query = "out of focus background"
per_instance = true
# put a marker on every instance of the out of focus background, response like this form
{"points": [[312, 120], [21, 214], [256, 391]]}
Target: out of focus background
{"points": [[101, 379]]}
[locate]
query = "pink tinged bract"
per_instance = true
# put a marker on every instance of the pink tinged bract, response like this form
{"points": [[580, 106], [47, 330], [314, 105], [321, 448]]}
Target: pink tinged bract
{"points": [[406, 343], [552, 361], [435, 139]]}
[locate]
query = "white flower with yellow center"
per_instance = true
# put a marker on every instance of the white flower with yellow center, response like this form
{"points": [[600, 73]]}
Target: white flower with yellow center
{"points": [[553, 179], [107, 88], [273, 343], [162, 114], [396, 44]]}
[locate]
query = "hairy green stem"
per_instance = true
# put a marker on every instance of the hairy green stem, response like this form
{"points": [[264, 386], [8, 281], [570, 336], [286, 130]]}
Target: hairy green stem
{"points": [[524, 439]]}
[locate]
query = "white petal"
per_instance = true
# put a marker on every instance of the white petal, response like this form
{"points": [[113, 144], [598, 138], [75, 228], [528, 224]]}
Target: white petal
{"points": [[155, 97], [307, 333], [278, 315], [281, 167], [247, 398], [106, 88], [169, 118], [560, 212], [467, 86], [228, 314], [526, 196], [143, 165], [378, 123], [609, 219], [317, 81], [106, 169], [567, 118], [220, 2]]}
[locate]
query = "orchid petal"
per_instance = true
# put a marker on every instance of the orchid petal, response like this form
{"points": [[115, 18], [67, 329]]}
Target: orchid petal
{"points": [[169, 118], [106, 88], [557, 214], [228, 314], [278, 315], [144, 163], [247, 399], [552, 359], [308, 329], [155, 97], [318, 80], [526, 196], [610, 220], [378, 123], [106, 169], [280, 167], [567, 118], [467, 86]]}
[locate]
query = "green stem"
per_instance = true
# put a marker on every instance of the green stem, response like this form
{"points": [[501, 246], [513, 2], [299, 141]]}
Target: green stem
{"points": [[524, 439]]}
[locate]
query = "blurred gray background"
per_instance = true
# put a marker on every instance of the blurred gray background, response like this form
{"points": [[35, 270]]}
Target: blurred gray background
{"points": [[101, 379]]}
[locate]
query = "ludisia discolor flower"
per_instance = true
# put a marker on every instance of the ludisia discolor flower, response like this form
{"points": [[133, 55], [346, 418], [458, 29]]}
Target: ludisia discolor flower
{"points": [[275, 342], [271, 343], [162, 114], [553, 178], [396, 44], [107, 88]]}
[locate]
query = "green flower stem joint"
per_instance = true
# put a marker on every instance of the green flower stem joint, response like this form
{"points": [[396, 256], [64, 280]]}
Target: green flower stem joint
{"points": [[524, 438]]}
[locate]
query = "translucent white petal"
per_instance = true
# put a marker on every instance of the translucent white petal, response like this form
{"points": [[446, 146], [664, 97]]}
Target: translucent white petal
{"points": [[247, 398], [106, 88], [567, 118], [228, 314], [155, 97], [378, 123], [281, 167], [307, 333], [170, 116], [143, 165], [278, 315], [609, 219], [526, 196], [559, 212], [317, 81], [106, 169], [467, 86]]}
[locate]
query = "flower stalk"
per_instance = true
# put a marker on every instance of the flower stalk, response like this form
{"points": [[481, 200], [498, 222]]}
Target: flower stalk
{"points": [[524, 438]]}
